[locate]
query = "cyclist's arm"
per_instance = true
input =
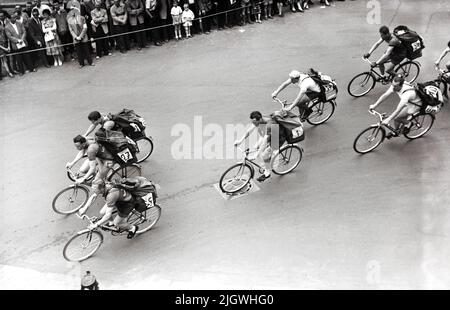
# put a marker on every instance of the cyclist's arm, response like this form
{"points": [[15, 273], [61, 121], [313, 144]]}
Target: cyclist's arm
{"points": [[247, 133], [375, 46], [90, 129], [445, 52], [79, 155], [281, 87], [385, 56], [382, 98]]}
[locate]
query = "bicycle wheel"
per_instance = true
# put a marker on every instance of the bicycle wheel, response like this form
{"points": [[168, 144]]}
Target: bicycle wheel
{"points": [[235, 178], [321, 112], [145, 148], [124, 172], [420, 125], [369, 139], [70, 199], [82, 246], [361, 84], [287, 159], [410, 71], [145, 220]]}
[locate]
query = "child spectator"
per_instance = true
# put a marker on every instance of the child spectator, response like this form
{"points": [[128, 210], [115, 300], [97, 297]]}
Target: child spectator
{"points": [[187, 18], [176, 17], [256, 10]]}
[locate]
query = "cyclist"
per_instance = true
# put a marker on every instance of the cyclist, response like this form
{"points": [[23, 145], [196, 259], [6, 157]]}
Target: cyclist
{"points": [[96, 155], [409, 104], [262, 125], [116, 199], [392, 56], [443, 54], [97, 119], [309, 90]]}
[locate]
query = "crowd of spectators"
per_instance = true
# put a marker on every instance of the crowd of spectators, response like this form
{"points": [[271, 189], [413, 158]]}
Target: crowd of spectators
{"points": [[50, 34]]}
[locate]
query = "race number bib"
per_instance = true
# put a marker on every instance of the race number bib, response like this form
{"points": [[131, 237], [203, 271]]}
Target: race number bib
{"points": [[149, 200], [297, 132], [125, 155], [416, 45]]}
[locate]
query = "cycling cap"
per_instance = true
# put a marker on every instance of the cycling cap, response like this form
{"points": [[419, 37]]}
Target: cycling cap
{"points": [[294, 74]]}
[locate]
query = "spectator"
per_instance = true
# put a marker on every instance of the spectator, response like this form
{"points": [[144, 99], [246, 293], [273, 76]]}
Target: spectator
{"points": [[100, 29], [193, 6], [89, 282], [280, 7], [204, 12], [233, 17], [136, 17], [60, 15], [297, 6], [51, 38], [187, 18], [267, 8], [4, 48], [16, 34], [152, 12], [40, 7], [221, 6], [176, 13], [28, 8], [37, 42], [78, 30], [24, 18], [245, 13], [163, 15], [256, 8], [119, 16], [73, 3]]}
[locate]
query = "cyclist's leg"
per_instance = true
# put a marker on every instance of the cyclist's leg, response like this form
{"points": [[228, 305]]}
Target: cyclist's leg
{"points": [[104, 165], [265, 156], [390, 68], [401, 119], [303, 104]]}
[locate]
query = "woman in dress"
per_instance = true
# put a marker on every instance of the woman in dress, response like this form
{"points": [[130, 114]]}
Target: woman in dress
{"points": [[4, 50], [51, 37]]}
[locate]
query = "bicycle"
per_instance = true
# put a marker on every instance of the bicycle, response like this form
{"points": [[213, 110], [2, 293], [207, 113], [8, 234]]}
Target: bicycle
{"points": [[443, 80], [371, 137], [86, 242], [72, 198], [144, 146], [364, 82]]}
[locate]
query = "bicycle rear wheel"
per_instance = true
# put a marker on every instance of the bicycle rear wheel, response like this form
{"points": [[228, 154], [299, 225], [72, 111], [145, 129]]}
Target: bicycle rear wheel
{"points": [[287, 159], [127, 171], [369, 139], [419, 126], [361, 84], [145, 148], [235, 178], [70, 199], [410, 71], [321, 112], [82, 246], [145, 220]]}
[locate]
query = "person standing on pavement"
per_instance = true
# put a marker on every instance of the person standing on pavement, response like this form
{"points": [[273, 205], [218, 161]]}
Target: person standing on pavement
{"points": [[100, 29], [89, 282], [204, 12], [136, 18], [37, 41], [120, 17], [152, 13], [78, 30]]}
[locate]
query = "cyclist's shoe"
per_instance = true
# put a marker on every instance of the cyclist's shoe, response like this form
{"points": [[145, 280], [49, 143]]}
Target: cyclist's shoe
{"points": [[263, 177], [132, 232], [391, 135], [406, 130], [109, 224]]}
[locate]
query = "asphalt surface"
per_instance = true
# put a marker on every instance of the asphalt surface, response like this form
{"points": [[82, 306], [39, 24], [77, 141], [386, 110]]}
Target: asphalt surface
{"points": [[339, 221]]}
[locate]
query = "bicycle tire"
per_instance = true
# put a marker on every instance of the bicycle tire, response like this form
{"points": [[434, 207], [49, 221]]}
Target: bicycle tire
{"points": [[371, 128], [146, 219], [126, 171], [223, 181], [368, 77], [75, 188], [283, 154], [145, 147], [405, 70], [417, 122], [85, 236], [318, 109]]}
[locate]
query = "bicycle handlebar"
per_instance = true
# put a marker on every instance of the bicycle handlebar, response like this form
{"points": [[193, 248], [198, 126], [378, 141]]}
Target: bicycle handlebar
{"points": [[283, 103]]}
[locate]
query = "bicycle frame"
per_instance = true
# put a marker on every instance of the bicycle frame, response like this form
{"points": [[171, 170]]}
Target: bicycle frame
{"points": [[380, 124]]}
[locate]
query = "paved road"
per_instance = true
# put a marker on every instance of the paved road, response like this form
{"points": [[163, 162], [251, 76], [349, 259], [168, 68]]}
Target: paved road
{"points": [[339, 221]]}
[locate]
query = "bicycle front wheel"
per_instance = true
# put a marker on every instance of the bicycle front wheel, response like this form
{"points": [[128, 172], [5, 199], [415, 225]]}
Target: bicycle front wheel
{"points": [[128, 171], [235, 178], [145, 148], [82, 246], [369, 139], [420, 125], [361, 84], [410, 71], [70, 199], [287, 159], [321, 112], [145, 220]]}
